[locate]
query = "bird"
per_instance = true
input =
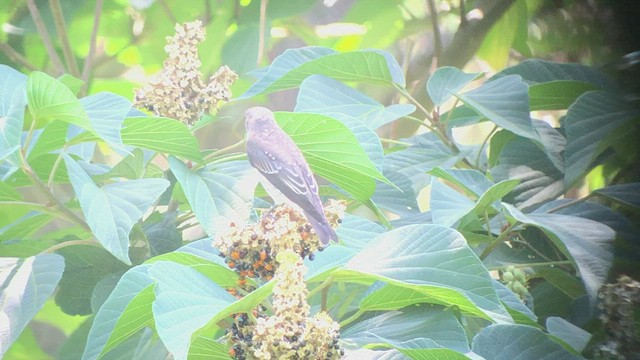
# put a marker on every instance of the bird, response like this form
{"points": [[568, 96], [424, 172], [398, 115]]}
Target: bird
{"points": [[285, 174]]}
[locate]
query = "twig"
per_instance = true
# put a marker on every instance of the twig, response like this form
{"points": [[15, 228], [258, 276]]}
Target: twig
{"points": [[70, 243], [167, 10], [224, 150], [61, 29], [261, 34], [502, 237], [395, 142], [16, 57], [525, 265], [44, 34], [406, 94], [436, 30], [88, 62], [484, 143]]}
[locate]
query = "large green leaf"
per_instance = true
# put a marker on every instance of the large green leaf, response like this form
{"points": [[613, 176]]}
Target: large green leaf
{"points": [[294, 65], [49, 99], [112, 210], [536, 71], [433, 260], [505, 102], [106, 112], [398, 328], [185, 301], [125, 312], [322, 95], [586, 242], [521, 159], [556, 95], [12, 104], [446, 81], [496, 45], [219, 194], [26, 285], [628, 194], [576, 337], [332, 152], [588, 121], [517, 342], [161, 134]]}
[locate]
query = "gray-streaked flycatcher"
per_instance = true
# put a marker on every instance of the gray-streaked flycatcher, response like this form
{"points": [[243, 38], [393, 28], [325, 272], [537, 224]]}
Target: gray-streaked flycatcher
{"points": [[285, 173]]}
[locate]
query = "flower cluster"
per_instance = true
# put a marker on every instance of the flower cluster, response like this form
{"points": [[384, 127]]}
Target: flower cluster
{"points": [[251, 250], [178, 91], [620, 302], [274, 248], [289, 333]]}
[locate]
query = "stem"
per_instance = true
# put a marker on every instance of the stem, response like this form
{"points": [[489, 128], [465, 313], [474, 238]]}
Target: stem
{"points": [[436, 30], [394, 142], [16, 57], [236, 156], [168, 11], [61, 29], [88, 62], [319, 288], [422, 123], [351, 318], [484, 143], [503, 235], [44, 34], [224, 150], [70, 243], [486, 220], [54, 169], [406, 94], [261, 34]]}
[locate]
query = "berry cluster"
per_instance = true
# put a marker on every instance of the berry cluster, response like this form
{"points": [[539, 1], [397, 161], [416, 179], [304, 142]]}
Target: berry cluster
{"points": [[515, 279]]}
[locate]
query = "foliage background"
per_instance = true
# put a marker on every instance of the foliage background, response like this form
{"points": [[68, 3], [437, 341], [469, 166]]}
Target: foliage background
{"points": [[129, 47]]}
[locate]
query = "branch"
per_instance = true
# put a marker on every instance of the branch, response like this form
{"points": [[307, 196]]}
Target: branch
{"points": [[61, 29], [88, 62], [436, 30], [16, 57], [261, 34], [44, 34]]}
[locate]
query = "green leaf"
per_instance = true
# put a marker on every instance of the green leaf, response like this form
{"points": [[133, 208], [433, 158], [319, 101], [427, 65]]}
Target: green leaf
{"points": [[332, 152], [517, 342], [73, 83], [107, 111], [357, 232], [212, 267], [126, 311], [25, 227], [447, 205], [586, 242], [205, 348], [219, 194], [627, 194], [397, 328], [556, 95], [565, 282], [540, 180], [536, 71], [567, 332], [161, 134], [52, 137], [85, 267], [12, 104], [505, 102], [322, 95], [446, 81], [433, 260], [112, 210], [50, 99], [185, 301], [518, 311], [496, 45], [294, 65], [26, 285], [588, 121], [240, 50]]}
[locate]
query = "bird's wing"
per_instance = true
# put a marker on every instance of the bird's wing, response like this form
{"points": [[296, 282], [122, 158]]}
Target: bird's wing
{"points": [[296, 178]]}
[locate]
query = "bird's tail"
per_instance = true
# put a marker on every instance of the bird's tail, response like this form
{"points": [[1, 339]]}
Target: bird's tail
{"points": [[323, 229]]}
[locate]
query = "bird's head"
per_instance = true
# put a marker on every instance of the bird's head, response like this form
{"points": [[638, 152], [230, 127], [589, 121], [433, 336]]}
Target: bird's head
{"points": [[259, 119]]}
